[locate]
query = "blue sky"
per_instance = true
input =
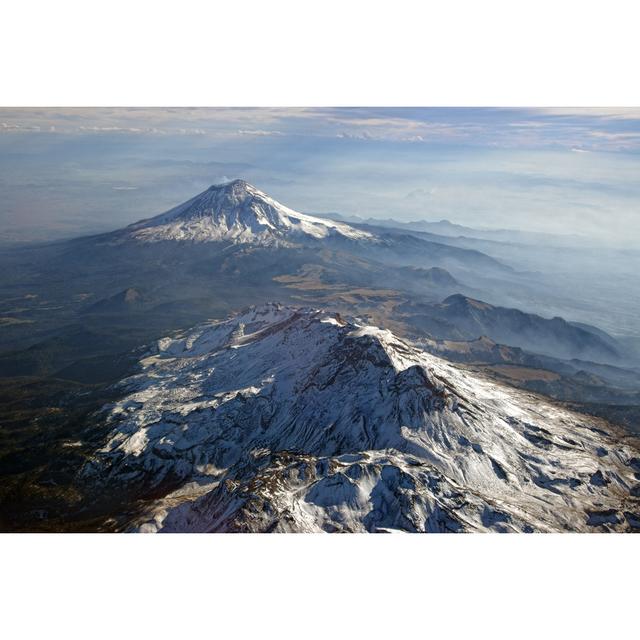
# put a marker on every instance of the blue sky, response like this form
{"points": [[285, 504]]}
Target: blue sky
{"points": [[66, 172]]}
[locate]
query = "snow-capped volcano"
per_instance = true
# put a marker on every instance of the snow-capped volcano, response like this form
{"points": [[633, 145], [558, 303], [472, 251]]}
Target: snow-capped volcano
{"points": [[238, 212], [284, 419]]}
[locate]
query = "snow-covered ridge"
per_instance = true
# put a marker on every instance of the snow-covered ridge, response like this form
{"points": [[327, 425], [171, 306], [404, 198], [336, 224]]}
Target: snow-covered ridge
{"points": [[293, 419], [238, 212]]}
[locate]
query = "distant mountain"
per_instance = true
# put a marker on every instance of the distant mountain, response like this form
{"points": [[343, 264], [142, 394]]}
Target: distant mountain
{"points": [[435, 276], [603, 335], [447, 228], [237, 212], [288, 419], [577, 381], [440, 227], [401, 248], [451, 229], [130, 299], [459, 317]]}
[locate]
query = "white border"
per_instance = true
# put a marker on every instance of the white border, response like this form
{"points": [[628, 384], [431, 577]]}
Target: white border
{"points": [[334, 53], [319, 586]]}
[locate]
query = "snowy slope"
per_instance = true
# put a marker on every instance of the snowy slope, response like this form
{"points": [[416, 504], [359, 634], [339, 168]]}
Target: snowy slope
{"points": [[238, 212], [284, 419]]}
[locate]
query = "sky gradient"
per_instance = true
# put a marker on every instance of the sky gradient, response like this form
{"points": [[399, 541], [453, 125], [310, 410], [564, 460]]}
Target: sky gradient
{"points": [[68, 172]]}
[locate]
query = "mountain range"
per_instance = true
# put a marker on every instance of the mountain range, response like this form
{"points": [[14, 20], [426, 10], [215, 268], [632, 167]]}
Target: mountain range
{"points": [[460, 317], [290, 419], [450, 229], [241, 239]]}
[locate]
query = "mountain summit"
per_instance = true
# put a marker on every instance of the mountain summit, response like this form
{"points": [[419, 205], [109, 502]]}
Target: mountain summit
{"points": [[288, 419], [238, 212]]}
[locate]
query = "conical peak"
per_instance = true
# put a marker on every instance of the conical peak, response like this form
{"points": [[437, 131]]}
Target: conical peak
{"points": [[233, 194], [235, 187], [237, 211]]}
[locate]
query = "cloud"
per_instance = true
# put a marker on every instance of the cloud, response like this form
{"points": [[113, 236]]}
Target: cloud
{"points": [[140, 130], [361, 135], [621, 135], [530, 124], [420, 193], [504, 128], [259, 132], [119, 129], [614, 113], [16, 126]]}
